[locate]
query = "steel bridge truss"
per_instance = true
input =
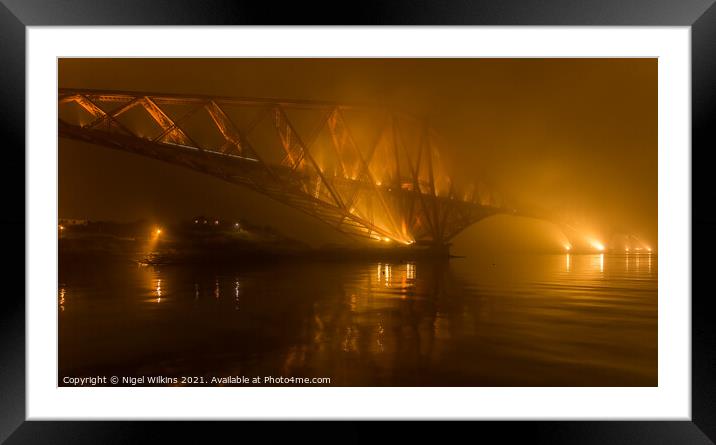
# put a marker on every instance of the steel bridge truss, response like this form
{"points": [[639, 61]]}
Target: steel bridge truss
{"points": [[366, 172]]}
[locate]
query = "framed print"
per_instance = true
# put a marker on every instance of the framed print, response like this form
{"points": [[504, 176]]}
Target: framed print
{"points": [[490, 221]]}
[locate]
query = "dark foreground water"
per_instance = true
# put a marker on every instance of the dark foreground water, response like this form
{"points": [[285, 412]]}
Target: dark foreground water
{"points": [[527, 320]]}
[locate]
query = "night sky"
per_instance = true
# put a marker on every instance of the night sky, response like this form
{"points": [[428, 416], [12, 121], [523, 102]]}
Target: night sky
{"points": [[574, 136]]}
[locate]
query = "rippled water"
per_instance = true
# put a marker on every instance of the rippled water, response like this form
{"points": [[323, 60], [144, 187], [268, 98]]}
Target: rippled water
{"points": [[512, 320]]}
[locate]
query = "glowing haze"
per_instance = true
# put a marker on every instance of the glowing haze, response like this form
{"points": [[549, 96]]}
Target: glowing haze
{"points": [[572, 140]]}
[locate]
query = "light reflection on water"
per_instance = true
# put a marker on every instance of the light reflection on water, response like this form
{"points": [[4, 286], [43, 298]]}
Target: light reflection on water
{"points": [[530, 320]]}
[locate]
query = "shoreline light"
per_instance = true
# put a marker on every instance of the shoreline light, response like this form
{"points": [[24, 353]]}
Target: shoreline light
{"points": [[597, 245]]}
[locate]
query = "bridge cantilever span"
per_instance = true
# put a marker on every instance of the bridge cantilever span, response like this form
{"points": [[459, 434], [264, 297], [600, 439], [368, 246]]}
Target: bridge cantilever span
{"points": [[367, 172]]}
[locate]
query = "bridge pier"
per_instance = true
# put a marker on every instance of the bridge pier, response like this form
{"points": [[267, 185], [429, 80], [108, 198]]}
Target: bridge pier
{"points": [[417, 251]]}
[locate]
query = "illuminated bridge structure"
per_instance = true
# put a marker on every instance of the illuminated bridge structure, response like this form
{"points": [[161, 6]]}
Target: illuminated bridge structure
{"points": [[371, 173]]}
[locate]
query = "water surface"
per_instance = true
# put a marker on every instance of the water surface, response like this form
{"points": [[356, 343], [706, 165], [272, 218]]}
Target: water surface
{"points": [[496, 320]]}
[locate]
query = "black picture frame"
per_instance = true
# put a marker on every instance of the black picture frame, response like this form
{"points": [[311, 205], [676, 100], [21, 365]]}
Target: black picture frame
{"points": [[16, 15]]}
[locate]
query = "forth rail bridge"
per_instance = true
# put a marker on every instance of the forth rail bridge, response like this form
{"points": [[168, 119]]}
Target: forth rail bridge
{"points": [[373, 174]]}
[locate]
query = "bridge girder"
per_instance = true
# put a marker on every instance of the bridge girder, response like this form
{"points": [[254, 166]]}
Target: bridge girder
{"points": [[366, 172]]}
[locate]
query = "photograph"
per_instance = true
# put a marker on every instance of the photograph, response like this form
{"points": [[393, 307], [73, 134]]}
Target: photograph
{"points": [[357, 222]]}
